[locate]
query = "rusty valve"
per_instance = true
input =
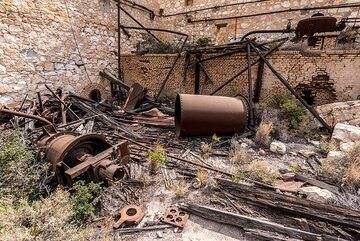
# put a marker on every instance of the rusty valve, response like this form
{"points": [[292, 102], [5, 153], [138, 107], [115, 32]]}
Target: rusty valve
{"points": [[88, 157]]}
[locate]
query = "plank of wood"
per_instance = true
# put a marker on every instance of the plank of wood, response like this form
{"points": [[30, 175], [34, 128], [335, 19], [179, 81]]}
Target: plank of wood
{"points": [[243, 221], [317, 183]]}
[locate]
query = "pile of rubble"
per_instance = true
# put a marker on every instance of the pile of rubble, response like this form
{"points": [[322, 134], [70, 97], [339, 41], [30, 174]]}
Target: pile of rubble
{"points": [[158, 182]]}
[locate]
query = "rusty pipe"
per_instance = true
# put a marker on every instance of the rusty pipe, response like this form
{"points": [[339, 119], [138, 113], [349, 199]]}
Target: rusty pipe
{"points": [[207, 115], [29, 116]]}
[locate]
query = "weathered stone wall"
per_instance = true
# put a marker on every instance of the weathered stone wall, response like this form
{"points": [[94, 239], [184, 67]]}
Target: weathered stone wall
{"points": [[329, 76], [235, 28], [62, 45]]}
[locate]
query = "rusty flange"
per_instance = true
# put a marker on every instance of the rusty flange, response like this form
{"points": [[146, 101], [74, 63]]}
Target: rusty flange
{"points": [[129, 215], [174, 216]]}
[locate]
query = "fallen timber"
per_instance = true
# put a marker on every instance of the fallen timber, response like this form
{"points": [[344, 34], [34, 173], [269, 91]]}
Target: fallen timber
{"points": [[243, 221], [345, 217]]}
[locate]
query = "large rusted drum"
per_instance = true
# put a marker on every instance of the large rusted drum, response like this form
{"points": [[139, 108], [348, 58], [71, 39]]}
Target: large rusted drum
{"points": [[202, 115]]}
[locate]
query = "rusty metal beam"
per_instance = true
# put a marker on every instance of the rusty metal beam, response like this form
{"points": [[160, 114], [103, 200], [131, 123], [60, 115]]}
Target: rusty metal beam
{"points": [[349, 5], [28, 116], [140, 24], [245, 69]]}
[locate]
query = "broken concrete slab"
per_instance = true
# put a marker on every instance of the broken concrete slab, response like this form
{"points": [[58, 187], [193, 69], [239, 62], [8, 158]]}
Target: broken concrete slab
{"points": [[341, 112], [346, 133]]}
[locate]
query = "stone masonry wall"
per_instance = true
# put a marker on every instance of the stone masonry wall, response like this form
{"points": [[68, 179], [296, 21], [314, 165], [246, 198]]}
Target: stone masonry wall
{"points": [[42, 41], [222, 31], [303, 73]]}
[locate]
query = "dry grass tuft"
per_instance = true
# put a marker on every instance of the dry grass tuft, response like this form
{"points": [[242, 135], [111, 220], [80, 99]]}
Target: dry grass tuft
{"points": [[241, 156], [263, 133], [327, 146], [354, 153], [180, 188], [203, 176], [333, 168], [47, 219], [261, 171], [352, 176]]}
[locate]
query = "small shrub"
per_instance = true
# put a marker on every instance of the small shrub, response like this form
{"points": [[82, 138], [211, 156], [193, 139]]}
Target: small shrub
{"points": [[156, 158], [354, 153], [82, 198], [151, 45], [47, 219], [206, 148], [291, 110], [263, 133], [261, 171], [215, 138], [334, 168], [20, 174], [203, 41], [352, 176]]}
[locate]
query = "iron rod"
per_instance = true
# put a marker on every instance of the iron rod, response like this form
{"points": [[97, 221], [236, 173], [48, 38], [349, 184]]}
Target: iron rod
{"points": [[244, 70]]}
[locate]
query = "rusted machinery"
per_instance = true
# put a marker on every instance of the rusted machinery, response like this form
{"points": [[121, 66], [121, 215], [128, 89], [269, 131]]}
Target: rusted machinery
{"points": [[316, 24], [207, 115], [88, 157]]}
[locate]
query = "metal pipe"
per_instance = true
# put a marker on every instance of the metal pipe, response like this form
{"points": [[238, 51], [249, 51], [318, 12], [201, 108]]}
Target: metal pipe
{"points": [[139, 7], [213, 7], [244, 70], [28, 116], [140, 24], [119, 41], [197, 76], [259, 81], [350, 5], [207, 115], [266, 31], [23, 102], [250, 88], [41, 105], [155, 29], [291, 89]]}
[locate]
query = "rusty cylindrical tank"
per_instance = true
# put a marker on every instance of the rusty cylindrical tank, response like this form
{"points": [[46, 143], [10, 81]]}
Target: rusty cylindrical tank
{"points": [[199, 115]]}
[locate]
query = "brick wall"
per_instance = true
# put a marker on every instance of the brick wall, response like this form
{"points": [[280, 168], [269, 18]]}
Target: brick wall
{"points": [[328, 75]]}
